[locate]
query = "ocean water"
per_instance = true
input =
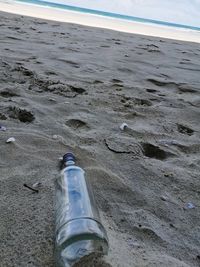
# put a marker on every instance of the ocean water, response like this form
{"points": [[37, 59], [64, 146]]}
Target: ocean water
{"points": [[108, 14]]}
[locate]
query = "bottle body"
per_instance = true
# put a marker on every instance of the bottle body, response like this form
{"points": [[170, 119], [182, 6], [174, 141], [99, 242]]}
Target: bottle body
{"points": [[79, 231]]}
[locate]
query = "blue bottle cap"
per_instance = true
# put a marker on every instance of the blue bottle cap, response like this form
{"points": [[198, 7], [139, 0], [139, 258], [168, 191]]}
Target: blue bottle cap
{"points": [[69, 157]]}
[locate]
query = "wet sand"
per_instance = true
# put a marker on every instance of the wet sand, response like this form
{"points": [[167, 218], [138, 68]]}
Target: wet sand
{"points": [[65, 87]]}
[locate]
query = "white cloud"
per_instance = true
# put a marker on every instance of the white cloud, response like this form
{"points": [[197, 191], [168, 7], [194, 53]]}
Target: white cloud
{"points": [[176, 11]]}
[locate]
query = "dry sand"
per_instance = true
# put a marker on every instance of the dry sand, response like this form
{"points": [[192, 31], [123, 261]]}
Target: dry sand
{"points": [[80, 84]]}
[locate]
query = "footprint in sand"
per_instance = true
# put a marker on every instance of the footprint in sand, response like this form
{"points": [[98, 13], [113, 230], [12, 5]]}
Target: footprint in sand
{"points": [[117, 84], [152, 151], [77, 124], [161, 82], [3, 116], [8, 92], [78, 90], [185, 129], [142, 102], [151, 90], [24, 71], [186, 88], [41, 84], [131, 102], [22, 115], [116, 81]]}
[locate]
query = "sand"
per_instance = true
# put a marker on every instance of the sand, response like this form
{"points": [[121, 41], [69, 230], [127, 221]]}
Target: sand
{"points": [[99, 21], [65, 87]]}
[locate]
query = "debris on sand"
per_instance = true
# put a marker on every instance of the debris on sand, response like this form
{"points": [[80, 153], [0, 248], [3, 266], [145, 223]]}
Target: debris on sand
{"points": [[31, 188], [123, 126], [10, 140], [37, 184], [189, 205], [2, 128]]}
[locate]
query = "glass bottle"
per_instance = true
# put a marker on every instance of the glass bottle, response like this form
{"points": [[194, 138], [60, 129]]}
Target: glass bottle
{"points": [[79, 232]]}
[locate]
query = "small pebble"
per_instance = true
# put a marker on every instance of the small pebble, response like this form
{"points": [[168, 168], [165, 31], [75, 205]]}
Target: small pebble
{"points": [[168, 174], [10, 140], [164, 198], [52, 99], [123, 126], [57, 137]]}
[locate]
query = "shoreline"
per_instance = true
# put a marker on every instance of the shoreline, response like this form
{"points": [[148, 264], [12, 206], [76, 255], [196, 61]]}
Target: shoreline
{"points": [[100, 21]]}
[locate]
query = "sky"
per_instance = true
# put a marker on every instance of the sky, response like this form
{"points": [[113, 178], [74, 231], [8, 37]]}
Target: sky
{"points": [[176, 11]]}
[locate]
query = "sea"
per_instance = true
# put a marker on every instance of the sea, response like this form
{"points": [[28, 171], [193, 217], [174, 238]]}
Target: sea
{"points": [[107, 14]]}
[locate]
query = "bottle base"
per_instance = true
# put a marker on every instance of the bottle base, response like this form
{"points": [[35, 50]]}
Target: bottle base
{"points": [[80, 240]]}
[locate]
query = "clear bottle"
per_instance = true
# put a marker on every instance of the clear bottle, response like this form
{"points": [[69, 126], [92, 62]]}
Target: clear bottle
{"points": [[79, 232]]}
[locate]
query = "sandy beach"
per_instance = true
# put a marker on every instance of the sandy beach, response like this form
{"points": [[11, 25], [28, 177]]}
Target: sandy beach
{"points": [[99, 21], [66, 87]]}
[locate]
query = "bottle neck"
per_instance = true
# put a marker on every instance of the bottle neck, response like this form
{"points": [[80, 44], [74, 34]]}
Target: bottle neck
{"points": [[69, 163], [69, 159]]}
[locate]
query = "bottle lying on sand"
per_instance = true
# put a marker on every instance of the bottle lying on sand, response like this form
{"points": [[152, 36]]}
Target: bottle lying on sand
{"points": [[79, 232]]}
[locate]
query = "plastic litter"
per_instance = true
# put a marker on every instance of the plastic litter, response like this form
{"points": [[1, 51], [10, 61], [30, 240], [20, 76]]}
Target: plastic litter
{"points": [[2, 128], [11, 140], [189, 205], [36, 184], [123, 126]]}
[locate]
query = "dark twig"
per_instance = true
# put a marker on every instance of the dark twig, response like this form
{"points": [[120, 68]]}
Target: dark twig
{"points": [[35, 190]]}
